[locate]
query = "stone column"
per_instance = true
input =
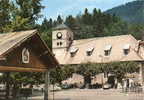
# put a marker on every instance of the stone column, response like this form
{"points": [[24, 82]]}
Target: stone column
{"points": [[141, 73]]}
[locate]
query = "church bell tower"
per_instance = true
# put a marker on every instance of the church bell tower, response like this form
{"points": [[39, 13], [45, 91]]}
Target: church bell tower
{"points": [[62, 38]]}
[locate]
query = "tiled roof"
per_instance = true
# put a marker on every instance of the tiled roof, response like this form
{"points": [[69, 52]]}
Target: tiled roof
{"points": [[98, 56]]}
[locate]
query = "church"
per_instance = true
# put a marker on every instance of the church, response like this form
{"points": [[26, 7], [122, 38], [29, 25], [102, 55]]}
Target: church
{"points": [[94, 50]]}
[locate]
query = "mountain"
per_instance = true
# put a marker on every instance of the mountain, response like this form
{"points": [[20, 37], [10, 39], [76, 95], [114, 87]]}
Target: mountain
{"points": [[132, 12]]}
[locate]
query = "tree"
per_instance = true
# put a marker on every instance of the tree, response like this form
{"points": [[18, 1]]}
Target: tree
{"points": [[61, 73], [70, 21], [46, 25], [50, 23], [19, 14], [29, 9], [137, 30], [120, 69], [59, 20], [87, 71], [17, 24], [5, 8], [86, 17], [46, 35], [119, 28]]}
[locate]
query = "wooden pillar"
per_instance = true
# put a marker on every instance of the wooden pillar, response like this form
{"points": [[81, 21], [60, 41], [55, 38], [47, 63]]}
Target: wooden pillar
{"points": [[7, 85], [46, 91]]}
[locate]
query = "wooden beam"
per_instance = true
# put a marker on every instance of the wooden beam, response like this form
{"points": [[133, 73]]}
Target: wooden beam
{"points": [[7, 85], [20, 69]]}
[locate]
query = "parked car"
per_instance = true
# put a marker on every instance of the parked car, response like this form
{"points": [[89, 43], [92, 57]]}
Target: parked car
{"points": [[54, 88], [67, 86], [107, 86]]}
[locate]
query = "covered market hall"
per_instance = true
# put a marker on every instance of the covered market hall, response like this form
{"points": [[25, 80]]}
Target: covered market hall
{"points": [[25, 51]]}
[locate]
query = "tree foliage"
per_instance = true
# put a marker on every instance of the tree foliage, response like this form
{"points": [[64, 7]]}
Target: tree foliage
{"points": [[17, 15], [131, 12], [61, 73], [5, 8], [119, 69]]}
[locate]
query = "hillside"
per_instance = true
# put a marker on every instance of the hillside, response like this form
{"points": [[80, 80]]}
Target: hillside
{"points": [[132, 12]]}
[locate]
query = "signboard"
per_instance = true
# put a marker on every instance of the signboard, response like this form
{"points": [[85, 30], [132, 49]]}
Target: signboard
{"points": [[25, 55]]}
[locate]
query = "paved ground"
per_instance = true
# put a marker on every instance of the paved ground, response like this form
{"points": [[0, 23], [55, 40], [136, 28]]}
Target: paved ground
{"points": [[93, 94]]}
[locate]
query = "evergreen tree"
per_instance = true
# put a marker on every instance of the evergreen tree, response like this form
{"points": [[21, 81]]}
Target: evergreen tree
{"points": [[54, 23], [21, 14], [50, 23], [59, 20], [94, 17], [5, 8], [29, 9], [46, 25], [70, 21], [86, 17]]}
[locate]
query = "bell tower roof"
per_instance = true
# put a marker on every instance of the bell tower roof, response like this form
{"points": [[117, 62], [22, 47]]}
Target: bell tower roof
{"points": [[61, 26]]}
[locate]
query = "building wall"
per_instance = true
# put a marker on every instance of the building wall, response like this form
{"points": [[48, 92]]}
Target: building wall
{"points": [[67, 35]]}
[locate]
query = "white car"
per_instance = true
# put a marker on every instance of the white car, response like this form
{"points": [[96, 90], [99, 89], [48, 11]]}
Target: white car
{"points": [[54, 88], [106, 86]]}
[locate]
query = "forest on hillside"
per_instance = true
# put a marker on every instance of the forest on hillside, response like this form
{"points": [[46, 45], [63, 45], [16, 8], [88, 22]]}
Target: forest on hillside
{"points": [[132, 12]]}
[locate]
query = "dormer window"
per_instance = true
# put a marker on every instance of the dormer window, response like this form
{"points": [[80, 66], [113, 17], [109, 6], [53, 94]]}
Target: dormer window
{"points": [[126, 49], [73, 51], [89, 51], [107, 50]]}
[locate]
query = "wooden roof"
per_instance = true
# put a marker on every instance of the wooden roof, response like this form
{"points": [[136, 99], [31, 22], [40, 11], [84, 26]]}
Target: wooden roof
{"points": [[12, 43], [9, 40]]}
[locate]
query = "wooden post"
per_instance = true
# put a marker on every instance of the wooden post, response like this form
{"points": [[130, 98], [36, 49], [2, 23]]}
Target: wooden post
{"points": [[7, 85], [46, 91]]}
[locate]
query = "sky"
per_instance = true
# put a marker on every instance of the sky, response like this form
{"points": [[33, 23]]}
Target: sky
{"points": [[53, 8]]}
